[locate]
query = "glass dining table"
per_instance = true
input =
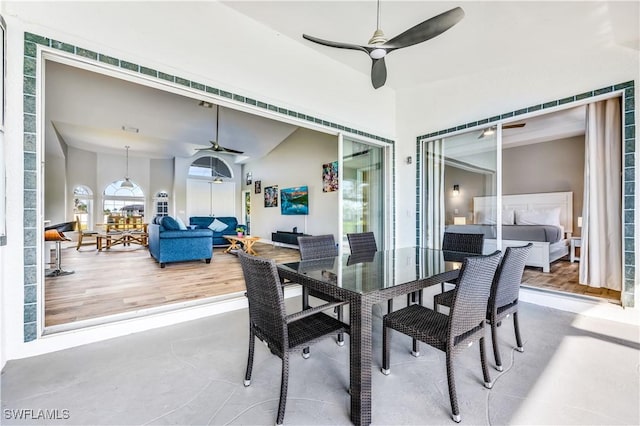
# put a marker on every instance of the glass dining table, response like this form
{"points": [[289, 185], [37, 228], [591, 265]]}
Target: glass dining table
{"points": [[363, 281]]}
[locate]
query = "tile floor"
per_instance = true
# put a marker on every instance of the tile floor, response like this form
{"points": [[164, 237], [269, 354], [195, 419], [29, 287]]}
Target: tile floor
{"points": [[576, 369]]}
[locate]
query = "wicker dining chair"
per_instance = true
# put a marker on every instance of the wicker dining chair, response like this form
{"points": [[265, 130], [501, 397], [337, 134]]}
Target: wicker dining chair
{"points": [[503, 300], [451, 334], [465, 243], [319, 247], [362, 242], [268, 321]]}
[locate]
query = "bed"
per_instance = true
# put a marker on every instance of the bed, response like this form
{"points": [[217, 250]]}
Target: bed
{"points": [[544, 219]]}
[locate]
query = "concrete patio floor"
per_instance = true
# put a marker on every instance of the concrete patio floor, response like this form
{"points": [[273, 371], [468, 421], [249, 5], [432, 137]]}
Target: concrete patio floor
{"points": [[576, 369]]}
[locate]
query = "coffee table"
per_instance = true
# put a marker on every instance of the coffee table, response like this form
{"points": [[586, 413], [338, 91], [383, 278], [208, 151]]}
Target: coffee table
{"points": [[241, 243]]}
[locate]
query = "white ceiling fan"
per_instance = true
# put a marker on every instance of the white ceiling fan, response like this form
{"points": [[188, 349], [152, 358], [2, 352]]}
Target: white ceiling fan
{"points": [[379, 46]]}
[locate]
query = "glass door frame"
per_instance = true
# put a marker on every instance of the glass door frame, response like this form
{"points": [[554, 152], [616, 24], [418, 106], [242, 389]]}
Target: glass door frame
{"points": [[421, 179], [388, 201]]}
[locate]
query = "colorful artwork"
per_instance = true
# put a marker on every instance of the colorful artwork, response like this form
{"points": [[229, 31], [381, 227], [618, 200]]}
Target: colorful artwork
{"points": [[271, 196], [330, 177], [294, 200]]}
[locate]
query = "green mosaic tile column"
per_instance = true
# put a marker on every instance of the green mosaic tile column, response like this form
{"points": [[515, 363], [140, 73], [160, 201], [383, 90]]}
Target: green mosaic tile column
{"points": [[31, 42]]}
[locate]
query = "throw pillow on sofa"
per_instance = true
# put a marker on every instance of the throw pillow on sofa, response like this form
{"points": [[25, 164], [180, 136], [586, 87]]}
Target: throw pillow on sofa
{"points": [[218, 226], [170, 224], [181, 224]]}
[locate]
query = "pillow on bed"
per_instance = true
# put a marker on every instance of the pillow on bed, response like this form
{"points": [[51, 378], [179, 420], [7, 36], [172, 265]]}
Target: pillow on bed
{"points": [[538, 217], [508, 217]]}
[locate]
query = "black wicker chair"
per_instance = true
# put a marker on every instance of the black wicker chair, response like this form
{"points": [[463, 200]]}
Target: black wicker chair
{"points": [[453, 333], [319, 247], [503, 300], [465, 243], [363, 242], [269, 322]]}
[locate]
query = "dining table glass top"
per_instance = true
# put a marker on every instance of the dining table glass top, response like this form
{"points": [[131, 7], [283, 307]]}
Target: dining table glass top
{"points": [[371, 272]]}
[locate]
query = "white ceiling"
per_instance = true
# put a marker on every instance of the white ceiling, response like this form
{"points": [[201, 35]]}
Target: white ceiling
{"points": [[88, 110]]}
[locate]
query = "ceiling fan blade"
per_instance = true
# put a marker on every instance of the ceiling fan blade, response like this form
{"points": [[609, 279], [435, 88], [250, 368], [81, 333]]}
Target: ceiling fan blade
{"points": [[513, 126], [230, 151], [378, 73], [426, 30], [336, 44]]}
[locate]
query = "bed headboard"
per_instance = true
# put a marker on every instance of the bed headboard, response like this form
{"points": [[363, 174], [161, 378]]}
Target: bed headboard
{"points": [[539, 201]]}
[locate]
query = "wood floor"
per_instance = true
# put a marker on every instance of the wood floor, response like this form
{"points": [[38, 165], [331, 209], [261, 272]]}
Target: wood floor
{"points": [[564, 277], [126, 279]]}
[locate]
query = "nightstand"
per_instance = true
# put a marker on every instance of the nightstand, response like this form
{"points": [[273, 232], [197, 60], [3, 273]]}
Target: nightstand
{"points": [[575, 242]]}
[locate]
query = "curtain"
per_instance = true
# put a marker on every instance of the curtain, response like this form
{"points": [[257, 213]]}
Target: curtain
{"points": [[601, 251], [434, 185]]}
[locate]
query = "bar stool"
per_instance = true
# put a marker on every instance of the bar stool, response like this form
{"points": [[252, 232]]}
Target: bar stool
{"points": [[55, 233]]}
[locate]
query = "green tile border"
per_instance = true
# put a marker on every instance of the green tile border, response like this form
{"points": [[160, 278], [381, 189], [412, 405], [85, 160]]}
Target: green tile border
{"points": [[629, 169], [31, 41]]}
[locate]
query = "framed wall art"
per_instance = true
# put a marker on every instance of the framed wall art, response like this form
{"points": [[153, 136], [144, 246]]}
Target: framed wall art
{"points": [[258, 187], [294, 201], [330, 177], [271, 196]]}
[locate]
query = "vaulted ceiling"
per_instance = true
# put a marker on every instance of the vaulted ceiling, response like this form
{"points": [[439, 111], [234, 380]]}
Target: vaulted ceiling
{"points": [[90, 110]]}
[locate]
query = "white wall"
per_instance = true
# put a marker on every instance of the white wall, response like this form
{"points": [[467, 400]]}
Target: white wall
{"points": [[296, 162], [445, 104]]}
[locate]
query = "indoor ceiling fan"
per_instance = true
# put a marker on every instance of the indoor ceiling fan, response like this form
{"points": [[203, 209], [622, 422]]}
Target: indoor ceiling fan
{"points": [[491, 130], [378, 46], [215, 146]]}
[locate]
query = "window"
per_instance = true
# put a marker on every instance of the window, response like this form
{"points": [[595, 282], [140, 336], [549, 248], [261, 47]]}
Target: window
{"points": [[123, 201], [83, 206], [162, 204], [209, 167]]}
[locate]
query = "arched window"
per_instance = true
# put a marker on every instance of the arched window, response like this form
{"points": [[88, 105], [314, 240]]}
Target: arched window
{"points": [[123, 201], [161, 201], [83, 206], [209, 167]]}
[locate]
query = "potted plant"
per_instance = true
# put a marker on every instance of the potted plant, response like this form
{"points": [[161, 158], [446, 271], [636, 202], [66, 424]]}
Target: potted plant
{"points": [[240, 231]]}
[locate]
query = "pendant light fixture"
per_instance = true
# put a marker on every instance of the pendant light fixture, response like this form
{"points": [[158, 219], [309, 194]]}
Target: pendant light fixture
{"points": [[126, 183]]}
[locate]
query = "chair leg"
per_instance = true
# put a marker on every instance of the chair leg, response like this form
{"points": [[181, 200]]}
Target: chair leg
{"points": [[494, 341], [415, 349], [452, 388], [305, 305], [283, 388], [389, 306], [340, 317], [252, 346], [58, 271], [79, 240], [485, 370], [516, 326], [386, 351]]}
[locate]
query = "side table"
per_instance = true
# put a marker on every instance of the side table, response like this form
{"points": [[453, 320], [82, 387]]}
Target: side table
{"points": [[575, 243]]}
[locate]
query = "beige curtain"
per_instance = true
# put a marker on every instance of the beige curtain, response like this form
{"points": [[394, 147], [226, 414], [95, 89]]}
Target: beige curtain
{"points": [[434, 185], [601, 251]]}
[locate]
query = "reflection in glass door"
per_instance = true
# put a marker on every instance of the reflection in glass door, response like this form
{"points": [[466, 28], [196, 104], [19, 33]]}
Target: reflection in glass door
{"points": [[363, 189], [461, 181]]}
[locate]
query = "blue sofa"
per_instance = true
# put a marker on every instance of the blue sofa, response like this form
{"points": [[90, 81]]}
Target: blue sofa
{"points": [[168, 243], [202, 222]]}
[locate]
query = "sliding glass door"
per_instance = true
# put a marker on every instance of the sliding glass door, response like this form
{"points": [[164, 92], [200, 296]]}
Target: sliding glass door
{"points": [[363, 170], [461, 181]]}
